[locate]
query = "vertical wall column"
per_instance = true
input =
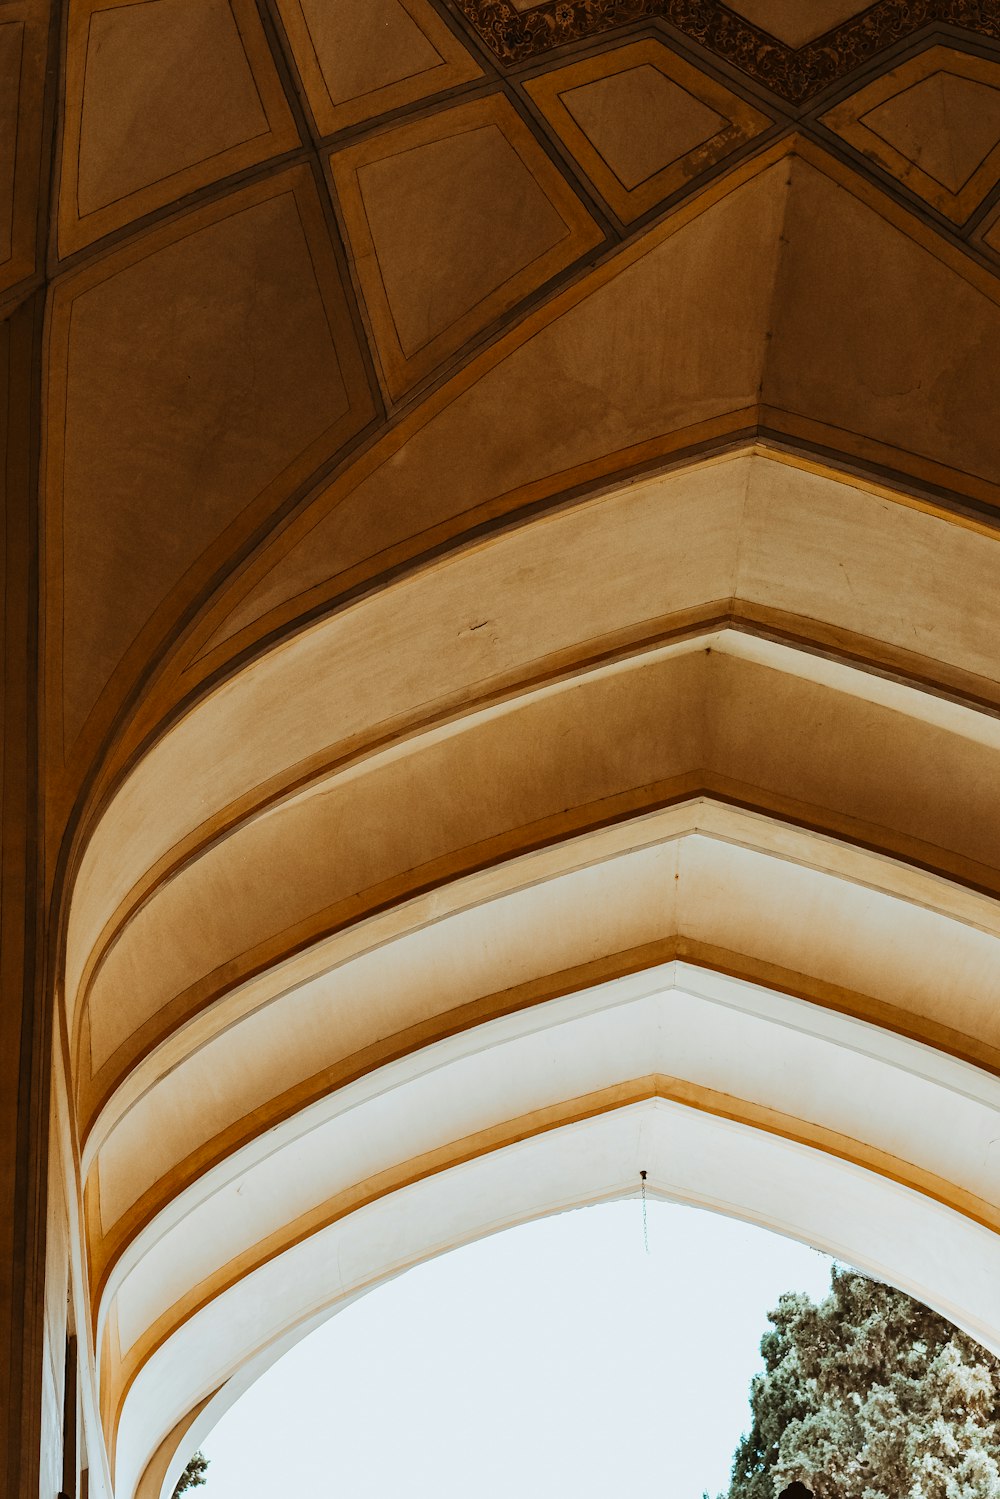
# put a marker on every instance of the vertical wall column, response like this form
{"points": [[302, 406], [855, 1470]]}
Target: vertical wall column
{"points": [[24, 1028]]}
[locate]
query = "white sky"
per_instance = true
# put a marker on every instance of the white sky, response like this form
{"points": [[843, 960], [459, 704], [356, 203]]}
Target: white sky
{"points": [[552, 1360]]}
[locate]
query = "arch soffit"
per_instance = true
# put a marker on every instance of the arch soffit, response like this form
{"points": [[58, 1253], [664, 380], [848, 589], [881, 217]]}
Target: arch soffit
{"points": [[849, 658], [750, 542], [928, 707]]}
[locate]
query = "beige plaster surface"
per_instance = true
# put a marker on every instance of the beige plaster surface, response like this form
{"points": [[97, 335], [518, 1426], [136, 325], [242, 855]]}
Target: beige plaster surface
{"points": [[809, 547], [622, 902], [389, 825]]}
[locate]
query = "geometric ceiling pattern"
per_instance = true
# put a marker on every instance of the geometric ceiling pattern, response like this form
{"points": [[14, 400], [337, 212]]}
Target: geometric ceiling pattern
{"points": [[202, 67], [470, 190], [447, 203]]}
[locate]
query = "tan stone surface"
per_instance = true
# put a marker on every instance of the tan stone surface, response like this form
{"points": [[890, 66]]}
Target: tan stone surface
{"points": [[642, 123], [200, 69], [362, 58], [199, 368], [797, 22]]}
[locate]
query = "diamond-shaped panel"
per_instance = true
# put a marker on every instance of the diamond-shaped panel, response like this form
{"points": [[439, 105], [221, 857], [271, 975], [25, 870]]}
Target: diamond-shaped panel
{"points": [[934, 123], [643, 123], [453, 219]]}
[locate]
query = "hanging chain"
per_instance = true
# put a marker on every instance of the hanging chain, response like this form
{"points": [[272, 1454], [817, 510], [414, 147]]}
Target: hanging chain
{"points": [[645, 1221]]}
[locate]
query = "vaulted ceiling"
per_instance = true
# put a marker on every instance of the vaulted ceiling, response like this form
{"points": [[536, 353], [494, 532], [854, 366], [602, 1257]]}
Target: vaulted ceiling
{"points": [[521, 488]]}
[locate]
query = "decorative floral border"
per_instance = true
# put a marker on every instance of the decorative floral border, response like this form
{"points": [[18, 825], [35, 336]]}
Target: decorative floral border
{"points": [[793, 74]]}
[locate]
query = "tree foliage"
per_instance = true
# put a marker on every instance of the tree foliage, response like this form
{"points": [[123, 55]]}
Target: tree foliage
{"points": [[193, 1476], [870, 1395]]}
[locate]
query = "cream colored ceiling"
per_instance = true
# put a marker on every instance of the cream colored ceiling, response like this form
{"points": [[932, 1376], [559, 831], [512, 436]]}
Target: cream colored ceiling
{"points": [[520, 517]]}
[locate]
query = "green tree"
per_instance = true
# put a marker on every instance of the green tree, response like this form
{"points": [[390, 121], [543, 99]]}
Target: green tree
{"points": [[193, 1476], [870, 1395]]}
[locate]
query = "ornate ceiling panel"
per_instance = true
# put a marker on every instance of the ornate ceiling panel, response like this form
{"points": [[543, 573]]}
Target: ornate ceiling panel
{"points": [[362, 58], [934, 123], [201, 69], [219, 352], [642, 123], [453, 219], [515, 33]]}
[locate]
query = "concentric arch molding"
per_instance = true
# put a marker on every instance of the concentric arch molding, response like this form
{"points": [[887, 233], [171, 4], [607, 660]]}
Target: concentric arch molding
{"points": [[519, 863], [711, 1152]]}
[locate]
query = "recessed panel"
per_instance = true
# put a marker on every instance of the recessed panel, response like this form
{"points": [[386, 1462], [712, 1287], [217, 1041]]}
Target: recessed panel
{"points": [[161, 100], [642, 123], [362, 58], [453, 220], [934, 124]]}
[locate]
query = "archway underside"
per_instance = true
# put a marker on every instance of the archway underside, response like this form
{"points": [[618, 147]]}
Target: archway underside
{"points": [[652, 833], [518, 504]]}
